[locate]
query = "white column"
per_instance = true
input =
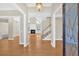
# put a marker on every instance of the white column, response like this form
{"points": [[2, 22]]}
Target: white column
{"points": [[53, 41], [10, 28], [21, 35], [23, 23], [24, 30]]}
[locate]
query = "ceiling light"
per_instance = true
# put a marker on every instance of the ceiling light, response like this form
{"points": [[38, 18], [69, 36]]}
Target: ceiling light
{"points": [[39, 6]]}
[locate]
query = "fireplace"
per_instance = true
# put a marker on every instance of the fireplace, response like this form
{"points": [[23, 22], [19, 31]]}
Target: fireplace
{"points": [[32, 31]]}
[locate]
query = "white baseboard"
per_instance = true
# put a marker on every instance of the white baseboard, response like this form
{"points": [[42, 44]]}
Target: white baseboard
{"points": [[46, 39], [50, 39], [59, 39], [10, 38], [21, 43]]}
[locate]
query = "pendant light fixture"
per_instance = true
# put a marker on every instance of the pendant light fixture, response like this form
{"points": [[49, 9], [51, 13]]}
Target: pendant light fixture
{"points": [[39, 6]]}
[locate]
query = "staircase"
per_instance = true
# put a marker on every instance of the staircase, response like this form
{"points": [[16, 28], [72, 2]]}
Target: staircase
{"points": [[46, 29]]}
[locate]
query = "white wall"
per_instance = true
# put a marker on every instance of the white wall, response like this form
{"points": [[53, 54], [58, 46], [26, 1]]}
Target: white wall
{"points": [[7, 6], [32, 12], [33, 26], [15, 29], [16, 26], [3, 28], [40, 16]]}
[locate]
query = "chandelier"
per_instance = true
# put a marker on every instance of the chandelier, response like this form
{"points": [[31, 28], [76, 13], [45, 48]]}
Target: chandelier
{"points": [[39, 6]]}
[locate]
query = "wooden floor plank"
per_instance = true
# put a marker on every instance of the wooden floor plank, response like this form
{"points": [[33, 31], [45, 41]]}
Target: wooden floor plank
{"points": [[37, 47]]}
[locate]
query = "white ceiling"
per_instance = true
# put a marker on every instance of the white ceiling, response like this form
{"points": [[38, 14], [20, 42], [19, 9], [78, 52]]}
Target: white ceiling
{"points": [[34, 4], [7, 6], [10, 6]]}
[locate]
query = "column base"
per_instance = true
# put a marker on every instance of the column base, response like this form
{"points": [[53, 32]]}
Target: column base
{"points": [[53, 45], [25, 45]]}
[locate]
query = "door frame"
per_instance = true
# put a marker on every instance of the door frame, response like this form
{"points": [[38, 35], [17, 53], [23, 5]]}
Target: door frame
{"points": [[63, 29], [78, 26]]}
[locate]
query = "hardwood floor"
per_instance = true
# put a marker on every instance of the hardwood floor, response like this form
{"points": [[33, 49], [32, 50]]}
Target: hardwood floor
{"points": [[36, 47]]}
